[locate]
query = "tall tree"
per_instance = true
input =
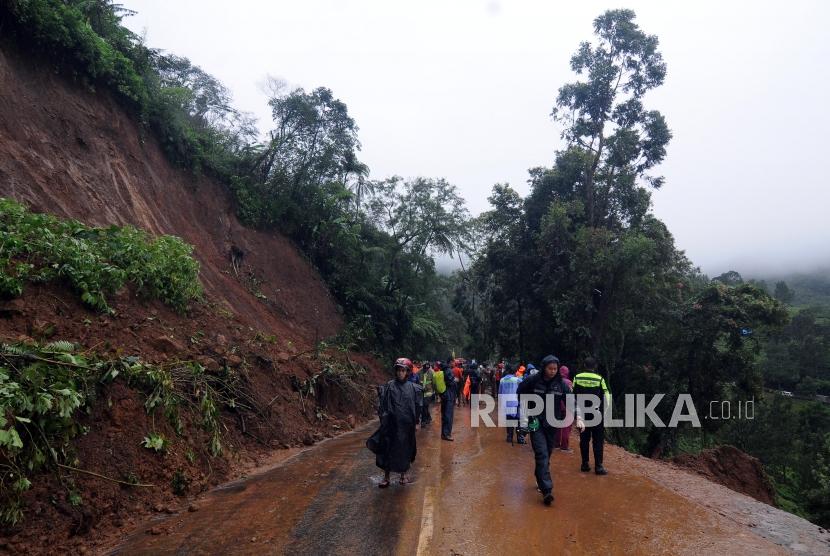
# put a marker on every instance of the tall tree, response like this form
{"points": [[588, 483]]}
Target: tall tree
{"points": [[314, 140], [604, 117]]}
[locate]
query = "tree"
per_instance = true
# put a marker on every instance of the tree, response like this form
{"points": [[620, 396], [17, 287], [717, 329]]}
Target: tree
{"points": [[314, 140], [300, 177], [603, 116], [783, 293], [502, 277], [731, 278], [422, 215]]}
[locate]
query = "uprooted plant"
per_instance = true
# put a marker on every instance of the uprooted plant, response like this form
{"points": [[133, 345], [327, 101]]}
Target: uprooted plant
{"points": [[44, 387], [338, 373]]}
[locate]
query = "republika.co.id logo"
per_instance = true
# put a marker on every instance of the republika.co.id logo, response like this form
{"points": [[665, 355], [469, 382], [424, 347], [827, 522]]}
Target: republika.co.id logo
{"points": [[639, 410]]}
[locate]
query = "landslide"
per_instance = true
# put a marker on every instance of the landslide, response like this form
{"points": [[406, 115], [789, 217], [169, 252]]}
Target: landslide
{"points": [[732, 468], [72, 152]]}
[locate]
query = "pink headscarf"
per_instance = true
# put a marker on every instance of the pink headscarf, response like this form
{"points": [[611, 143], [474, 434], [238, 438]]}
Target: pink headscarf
{"points": [[565, 373]]}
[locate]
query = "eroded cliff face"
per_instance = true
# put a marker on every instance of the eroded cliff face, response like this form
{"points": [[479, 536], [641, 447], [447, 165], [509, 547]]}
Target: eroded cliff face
{"points": [[75, 153]]}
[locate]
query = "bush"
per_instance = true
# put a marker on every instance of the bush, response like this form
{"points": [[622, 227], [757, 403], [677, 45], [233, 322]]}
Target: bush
{"points": [[96, 262]]}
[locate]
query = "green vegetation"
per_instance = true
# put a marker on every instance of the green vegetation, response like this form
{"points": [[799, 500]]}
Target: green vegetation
{"points": [[795, 357], [791, 439], [809, 289], [45, 389], [155, 442], [95, 262], [790, 435]]}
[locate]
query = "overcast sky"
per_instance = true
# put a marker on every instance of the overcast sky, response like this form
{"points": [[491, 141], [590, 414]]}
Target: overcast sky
{"points": [[463, 89]]}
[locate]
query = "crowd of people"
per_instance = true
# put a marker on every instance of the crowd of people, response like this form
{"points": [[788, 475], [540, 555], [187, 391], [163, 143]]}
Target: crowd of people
{"points": [[405, 403]]}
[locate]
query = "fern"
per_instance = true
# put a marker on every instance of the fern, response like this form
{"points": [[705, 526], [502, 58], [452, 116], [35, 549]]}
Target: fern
{"points": [[14, 349], [427, 328], [59, 346]]}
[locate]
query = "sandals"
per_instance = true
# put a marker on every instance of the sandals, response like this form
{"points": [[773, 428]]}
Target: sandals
{"points": [[402, 481]]}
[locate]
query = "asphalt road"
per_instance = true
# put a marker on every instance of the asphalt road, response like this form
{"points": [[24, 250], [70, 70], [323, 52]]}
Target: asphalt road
{"points": [[476, 495]]}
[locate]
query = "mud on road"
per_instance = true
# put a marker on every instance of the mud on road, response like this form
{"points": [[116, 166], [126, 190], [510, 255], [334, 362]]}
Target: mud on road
{"points": [[476, 495]]}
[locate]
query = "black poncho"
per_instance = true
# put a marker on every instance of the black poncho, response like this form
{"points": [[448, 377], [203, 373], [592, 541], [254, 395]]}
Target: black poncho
{"points": [[398, 408]]}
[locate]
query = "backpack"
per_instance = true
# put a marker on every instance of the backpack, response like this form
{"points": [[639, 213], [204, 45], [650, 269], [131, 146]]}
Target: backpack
{"points": [[440, 383]]}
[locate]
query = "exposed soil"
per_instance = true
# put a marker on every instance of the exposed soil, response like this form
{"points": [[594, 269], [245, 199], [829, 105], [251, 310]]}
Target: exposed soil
{"points": [[732, 468], [72, 152], [270, 368]]}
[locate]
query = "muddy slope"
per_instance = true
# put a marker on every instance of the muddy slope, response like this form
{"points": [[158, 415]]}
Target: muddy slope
{"points": [[732, 468], [75, 153]]}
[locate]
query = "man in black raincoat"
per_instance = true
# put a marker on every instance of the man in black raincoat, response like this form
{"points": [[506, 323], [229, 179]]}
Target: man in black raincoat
{"points": [[549, 387], [399, 408]]}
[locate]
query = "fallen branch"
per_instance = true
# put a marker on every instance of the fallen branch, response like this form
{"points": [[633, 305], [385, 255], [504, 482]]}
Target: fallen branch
{"points": [[272, 401], [31, 357], [306, 352], [104, 477]]}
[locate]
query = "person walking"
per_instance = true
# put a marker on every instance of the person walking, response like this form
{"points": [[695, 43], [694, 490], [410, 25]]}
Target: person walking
{"points": [[444, 388], [466, 391], [475, 379], [549, 386], [509, 403], [497, 374], [563, 439], [486, 373], [458, 377], [427, 378], [415, 375], [589, 382], [399, 407]]}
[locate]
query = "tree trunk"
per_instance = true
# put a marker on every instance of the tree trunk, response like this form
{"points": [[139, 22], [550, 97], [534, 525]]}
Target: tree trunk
{"points": [[589, 178], [521, 330]]}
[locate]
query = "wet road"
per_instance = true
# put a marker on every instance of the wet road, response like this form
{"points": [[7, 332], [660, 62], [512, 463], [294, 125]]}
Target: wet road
{"points": [[473, 496]]}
